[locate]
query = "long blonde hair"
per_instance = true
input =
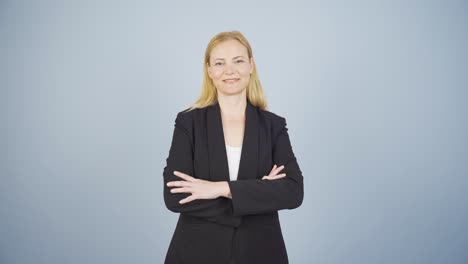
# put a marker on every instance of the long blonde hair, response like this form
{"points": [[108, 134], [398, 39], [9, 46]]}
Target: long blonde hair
{"points": [[209, 95]]}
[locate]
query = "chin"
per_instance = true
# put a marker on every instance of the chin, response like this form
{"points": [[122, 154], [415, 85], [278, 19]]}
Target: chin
{"points": [[228, 91]]}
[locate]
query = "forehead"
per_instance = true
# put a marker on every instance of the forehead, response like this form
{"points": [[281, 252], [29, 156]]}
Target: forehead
{"points": [[228, 49]]}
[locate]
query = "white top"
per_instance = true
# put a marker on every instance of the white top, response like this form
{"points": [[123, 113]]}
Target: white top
{"points": [[233, 156]]}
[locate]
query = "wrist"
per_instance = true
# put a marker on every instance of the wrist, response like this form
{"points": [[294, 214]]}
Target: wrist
{"points": [[225, 191]]}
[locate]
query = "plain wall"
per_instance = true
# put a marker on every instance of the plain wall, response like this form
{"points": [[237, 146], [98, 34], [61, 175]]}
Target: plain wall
{"points": [[374, 94]]}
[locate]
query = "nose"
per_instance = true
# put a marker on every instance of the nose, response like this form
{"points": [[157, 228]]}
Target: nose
{"points": [[229, 68]]}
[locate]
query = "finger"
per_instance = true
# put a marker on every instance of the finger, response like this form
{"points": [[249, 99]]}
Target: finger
{"points": [[183, 176], [178, 184], [181, 190], [278, 169], [274, 167], [188, 199], [275, 177], [279, 176]]}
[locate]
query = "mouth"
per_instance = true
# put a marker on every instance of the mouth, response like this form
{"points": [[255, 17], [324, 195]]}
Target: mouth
{"points": [[233, 80]]}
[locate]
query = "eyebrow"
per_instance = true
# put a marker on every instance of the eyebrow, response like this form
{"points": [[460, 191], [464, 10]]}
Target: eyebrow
{"points": [[232, 58]]}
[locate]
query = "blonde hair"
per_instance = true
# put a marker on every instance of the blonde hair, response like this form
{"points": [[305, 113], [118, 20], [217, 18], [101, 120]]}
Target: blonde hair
{"points": [[209, 94]]}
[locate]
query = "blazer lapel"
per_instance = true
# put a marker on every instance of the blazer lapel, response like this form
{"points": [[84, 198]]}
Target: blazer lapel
{"points": [[248, 167], [219, 168]]}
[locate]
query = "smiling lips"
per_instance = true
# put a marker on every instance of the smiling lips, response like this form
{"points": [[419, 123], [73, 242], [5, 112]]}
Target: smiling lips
{"points": [[231, 80]]}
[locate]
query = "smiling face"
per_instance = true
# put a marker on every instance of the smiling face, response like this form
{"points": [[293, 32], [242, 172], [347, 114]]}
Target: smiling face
{"points": [[230, 67]]}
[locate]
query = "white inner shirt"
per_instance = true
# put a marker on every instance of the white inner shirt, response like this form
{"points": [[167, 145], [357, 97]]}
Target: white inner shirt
{"points": [[233, 156]]}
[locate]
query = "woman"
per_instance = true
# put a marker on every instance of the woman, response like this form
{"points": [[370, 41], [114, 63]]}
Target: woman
{"points": [[222, 174]]}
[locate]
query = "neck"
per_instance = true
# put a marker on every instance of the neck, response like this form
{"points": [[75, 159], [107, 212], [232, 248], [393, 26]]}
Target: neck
{"points": [[233, 107]]}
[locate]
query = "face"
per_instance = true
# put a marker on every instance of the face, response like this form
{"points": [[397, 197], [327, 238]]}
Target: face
{"points": [[230, 67]]}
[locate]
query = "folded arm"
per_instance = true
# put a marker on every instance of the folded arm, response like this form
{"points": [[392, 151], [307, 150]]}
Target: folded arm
{"points": [[256, 196], [180, 158]]}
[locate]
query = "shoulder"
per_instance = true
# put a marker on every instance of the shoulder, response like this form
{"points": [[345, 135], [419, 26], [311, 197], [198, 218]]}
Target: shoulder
{"points": [[271, 117], [185, 115], [188, 115], [188, 118], [277, 121], [184, 120]]}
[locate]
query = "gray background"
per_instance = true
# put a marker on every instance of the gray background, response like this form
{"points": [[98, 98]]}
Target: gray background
{"points": [[374, 94]]}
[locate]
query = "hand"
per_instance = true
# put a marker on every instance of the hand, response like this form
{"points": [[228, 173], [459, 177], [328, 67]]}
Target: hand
{"points": [[274, 173], [200, 189]]}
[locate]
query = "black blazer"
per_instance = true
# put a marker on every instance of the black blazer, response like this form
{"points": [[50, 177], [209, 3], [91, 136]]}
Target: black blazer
{"points": [[246, 228]]}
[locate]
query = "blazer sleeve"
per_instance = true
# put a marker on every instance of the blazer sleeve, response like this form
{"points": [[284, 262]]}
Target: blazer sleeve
{"points": [[256, 196], [181, 159]]}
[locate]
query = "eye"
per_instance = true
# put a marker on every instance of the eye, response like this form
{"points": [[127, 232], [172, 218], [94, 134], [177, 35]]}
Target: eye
{"points": [[218, 63], [239, 61]]}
